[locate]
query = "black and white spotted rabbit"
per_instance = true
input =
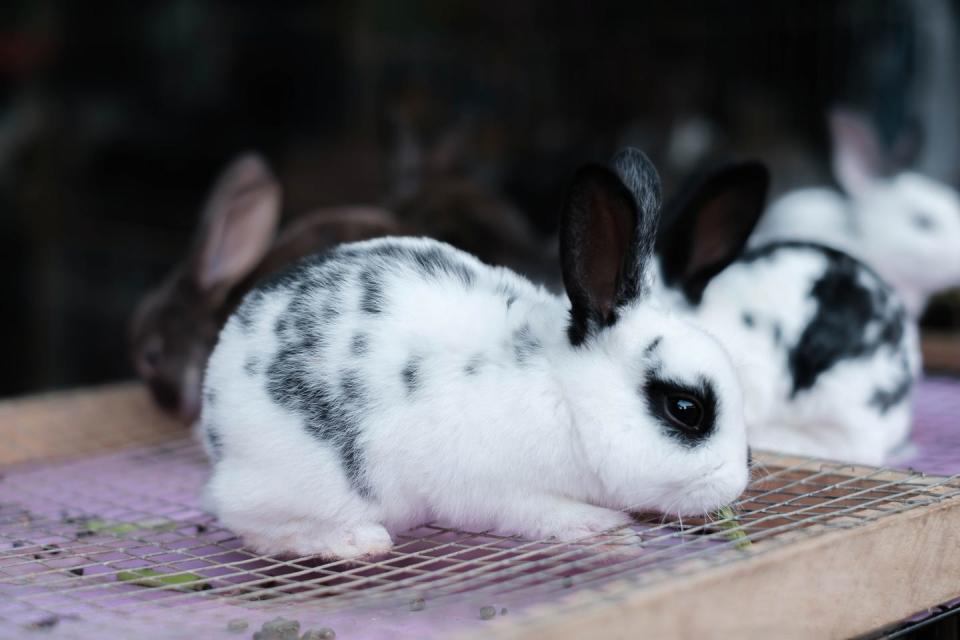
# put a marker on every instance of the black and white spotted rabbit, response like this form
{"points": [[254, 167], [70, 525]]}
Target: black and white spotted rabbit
{"points": [[824, 348], [396, 381]]}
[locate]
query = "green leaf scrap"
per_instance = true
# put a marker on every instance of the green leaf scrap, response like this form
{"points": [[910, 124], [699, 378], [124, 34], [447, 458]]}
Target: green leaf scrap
{"points": [[155, 579], [728, 521], [96, 525]]}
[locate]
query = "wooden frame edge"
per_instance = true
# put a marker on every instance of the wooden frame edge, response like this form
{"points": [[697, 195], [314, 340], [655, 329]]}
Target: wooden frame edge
{"points": [[835, 585]]}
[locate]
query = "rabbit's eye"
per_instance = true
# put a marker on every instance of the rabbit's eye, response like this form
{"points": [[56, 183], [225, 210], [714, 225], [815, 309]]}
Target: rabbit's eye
{"points": [[923, 221], [685, 410], [688, 412]]}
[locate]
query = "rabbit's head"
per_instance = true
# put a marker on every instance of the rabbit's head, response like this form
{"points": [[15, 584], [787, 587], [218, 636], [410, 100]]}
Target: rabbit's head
{"points": [[658, 401], [175, 326], [904, 224]]}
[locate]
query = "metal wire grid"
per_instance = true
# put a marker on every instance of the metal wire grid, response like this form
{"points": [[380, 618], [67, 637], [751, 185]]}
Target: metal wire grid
{"points": [[52, 565]]}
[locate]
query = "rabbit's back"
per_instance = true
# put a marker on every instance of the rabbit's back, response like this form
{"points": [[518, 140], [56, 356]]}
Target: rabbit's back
{"points": [[378, 336], [820, 338], [814, 214]]}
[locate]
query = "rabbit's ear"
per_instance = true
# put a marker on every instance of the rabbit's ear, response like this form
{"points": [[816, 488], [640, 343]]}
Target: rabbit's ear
{"points": [[239, 222], [858, 156], [607, 234], [707, 224]]}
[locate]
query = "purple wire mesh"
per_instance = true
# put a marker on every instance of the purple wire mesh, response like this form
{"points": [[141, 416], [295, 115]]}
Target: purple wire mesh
{"points": [[77, 535]]}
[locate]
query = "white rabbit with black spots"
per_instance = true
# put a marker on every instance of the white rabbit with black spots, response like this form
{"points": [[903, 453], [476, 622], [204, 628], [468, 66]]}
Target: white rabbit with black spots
{"points": [[397, 381], [904, 224], [823, 347]]}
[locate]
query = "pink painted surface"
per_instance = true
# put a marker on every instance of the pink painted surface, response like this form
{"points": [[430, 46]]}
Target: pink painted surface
{"points": [[54, 570], [936, 432]]}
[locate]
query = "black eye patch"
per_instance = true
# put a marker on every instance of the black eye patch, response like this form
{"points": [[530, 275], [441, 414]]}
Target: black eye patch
{"points": [[687, 413]]}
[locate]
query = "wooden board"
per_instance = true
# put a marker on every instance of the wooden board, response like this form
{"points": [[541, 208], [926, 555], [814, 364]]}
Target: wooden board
{"points": [[81, 422], [836, 585]]}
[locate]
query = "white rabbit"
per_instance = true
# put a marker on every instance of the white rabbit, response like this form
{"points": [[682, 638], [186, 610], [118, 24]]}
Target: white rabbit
{"points": [[397, 381], [906, 226], [824, 350]]}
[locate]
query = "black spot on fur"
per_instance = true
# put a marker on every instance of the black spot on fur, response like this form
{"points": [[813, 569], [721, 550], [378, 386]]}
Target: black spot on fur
{"points": [[252, 365], [886, 399], [923, 222], [846, 306], [360, 344], [293, 276], [411, 374], [653, 346], [435, 261], [507, 291], [777, 333], [331, 311], [371, 297], [748, 320], [352, 387], [353, 402], [247, 311], [281, 325], [330, 414], [305, 324], [332, 411], [525, 345], [209, 396], [472, 367], [430, 261], [657, 392], [214, 441]]}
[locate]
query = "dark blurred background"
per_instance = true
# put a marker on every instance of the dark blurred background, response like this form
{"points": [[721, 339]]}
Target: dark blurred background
{"points": [[116, 116]]}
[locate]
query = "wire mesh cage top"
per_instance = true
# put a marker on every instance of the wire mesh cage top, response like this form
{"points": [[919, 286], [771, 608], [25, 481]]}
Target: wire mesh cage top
{"points": [[118, 540]]}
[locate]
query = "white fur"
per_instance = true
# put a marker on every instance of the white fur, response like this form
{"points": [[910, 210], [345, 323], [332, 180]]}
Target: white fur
{"points": [[557, 447], [833, 419], [876, 222]]}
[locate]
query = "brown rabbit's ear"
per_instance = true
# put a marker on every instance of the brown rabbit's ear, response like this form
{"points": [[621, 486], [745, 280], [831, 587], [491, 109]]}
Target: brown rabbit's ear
{"points": [[239, 222]]}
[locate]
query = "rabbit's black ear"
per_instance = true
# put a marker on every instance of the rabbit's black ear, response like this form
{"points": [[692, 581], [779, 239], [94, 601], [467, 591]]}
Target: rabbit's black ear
{"points": [[706, 225], [606, 241], [239, 222]]}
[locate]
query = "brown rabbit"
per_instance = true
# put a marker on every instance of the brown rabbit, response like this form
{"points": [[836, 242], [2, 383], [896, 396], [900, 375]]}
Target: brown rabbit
{"points": [[432, 195], [176, 325]]}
